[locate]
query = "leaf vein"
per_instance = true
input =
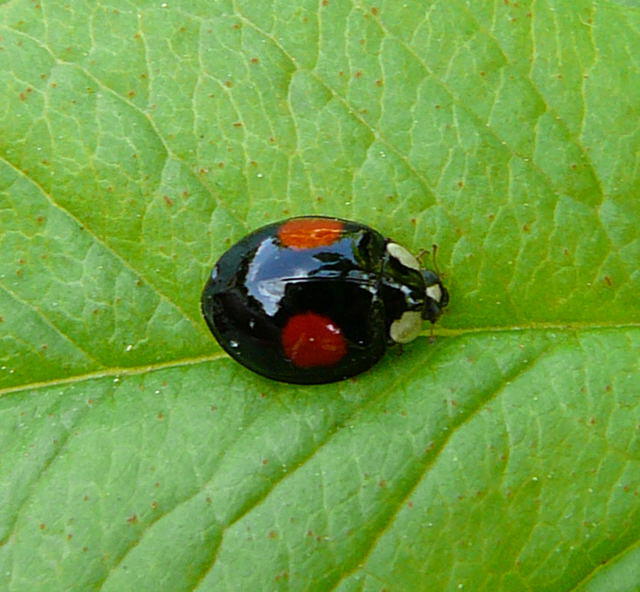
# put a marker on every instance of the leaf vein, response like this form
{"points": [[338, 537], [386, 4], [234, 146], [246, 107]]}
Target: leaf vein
{"points": [[517, 371]]}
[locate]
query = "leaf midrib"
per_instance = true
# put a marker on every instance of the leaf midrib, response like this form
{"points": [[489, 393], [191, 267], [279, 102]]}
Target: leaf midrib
{"points": [[124, 371]]}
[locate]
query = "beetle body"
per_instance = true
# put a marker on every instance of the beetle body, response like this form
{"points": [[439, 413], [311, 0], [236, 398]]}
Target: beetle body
{"points": [[312, 299]]}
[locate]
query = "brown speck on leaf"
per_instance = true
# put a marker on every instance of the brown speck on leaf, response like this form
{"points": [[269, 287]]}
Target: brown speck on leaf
{"points": [[608, 388], [325, 2], [592, 421], [379, 83], [237, 26], [482, 73], [1, 319], [43, 526], [160, 415], [272, 534], [608, 281], [382, 483], [237, 124], [228, 83], [374, 11], [133, 519], [167, 200], [154, 505], [461, 184], [255, 60], [85, 549], [265, 461], [69, 536], [409, 504], [358, 74], [131, 94], [526, 228]]}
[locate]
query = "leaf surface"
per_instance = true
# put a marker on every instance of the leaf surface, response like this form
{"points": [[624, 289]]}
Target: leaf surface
{"points": [[139, 141]]}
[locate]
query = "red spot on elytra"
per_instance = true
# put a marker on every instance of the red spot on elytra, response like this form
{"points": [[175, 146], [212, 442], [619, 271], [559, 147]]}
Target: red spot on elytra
{"points": [[307, 233], [310, 339]]}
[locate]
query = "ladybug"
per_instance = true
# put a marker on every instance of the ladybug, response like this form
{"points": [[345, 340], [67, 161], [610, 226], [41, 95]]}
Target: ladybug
{"points": [[311, 300]]}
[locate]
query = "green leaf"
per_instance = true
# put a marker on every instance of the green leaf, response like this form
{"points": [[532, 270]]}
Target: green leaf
{"points": [[139, 140]]}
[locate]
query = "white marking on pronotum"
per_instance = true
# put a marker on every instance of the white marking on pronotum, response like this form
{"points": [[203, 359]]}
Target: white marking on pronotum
{"points": [[435, 292], [407, 327], [402, 255]]}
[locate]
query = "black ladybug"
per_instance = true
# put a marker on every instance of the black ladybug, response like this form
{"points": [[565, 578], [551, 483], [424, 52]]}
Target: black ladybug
{"points": [[314, 299]]}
